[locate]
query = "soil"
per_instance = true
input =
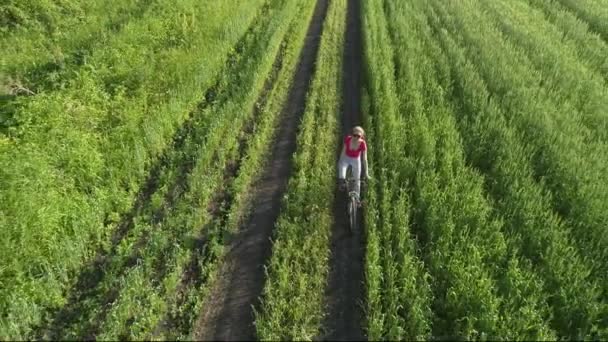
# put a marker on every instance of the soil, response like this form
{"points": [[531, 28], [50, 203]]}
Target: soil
{"points": [[228, 314], [344, 294]]}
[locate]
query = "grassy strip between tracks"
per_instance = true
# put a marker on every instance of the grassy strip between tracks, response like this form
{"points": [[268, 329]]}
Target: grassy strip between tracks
{"points": [[292, 306]]}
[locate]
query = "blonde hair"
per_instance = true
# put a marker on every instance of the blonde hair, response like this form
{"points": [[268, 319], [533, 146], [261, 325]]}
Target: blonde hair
{"points": [[358, 129]]}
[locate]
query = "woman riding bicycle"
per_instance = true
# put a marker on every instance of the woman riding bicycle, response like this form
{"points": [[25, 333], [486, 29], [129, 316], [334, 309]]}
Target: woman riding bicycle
{"points": [[354, 153]]}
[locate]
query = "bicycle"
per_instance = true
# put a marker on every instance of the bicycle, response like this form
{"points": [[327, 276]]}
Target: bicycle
{"points": [[353, 203]]}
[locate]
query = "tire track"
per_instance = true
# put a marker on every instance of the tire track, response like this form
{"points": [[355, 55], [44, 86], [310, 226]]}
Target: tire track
{"points": [[229, 313], [345, 285]]}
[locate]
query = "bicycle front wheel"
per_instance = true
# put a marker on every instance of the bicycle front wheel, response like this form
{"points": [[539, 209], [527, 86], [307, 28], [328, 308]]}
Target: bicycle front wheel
{"points": [[352, 213]]}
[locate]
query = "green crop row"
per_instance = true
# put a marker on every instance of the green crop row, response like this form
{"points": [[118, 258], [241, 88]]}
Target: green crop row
{"points": [[594, 12], [70, 179], [398, 293], [462, 244], [569, 166], [488, 256], [498, 112], [570, 83], [565, 74], [589, 46], [293, 297], [180, 251]]}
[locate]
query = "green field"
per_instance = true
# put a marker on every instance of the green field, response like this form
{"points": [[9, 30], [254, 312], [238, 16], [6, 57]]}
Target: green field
{"points": [[137, 150]]}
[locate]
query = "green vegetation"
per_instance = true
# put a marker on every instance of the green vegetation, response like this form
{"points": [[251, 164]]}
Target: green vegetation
{"points": [[467, 111], [524, 204], [462, 245], [92, 170], [293, 307], [188, 241], [580, 193], [594, 12], [50, 40], [398, 292], [590, 47], [132, 134]]}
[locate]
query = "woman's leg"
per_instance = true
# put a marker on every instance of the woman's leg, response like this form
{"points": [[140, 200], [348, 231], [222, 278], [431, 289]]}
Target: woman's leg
{"points": [[342, 166]]}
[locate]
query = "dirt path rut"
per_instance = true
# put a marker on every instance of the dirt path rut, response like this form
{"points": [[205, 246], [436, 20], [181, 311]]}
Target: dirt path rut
{"points": [[228, 314]]}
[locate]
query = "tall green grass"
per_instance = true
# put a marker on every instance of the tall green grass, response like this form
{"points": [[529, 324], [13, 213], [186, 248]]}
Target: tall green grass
{"points": [[589, 46], [459, 238], [167, 253], [493, 130], [594, 12], [470, 170], [85, 150], [54, 37], [398, 292]]}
